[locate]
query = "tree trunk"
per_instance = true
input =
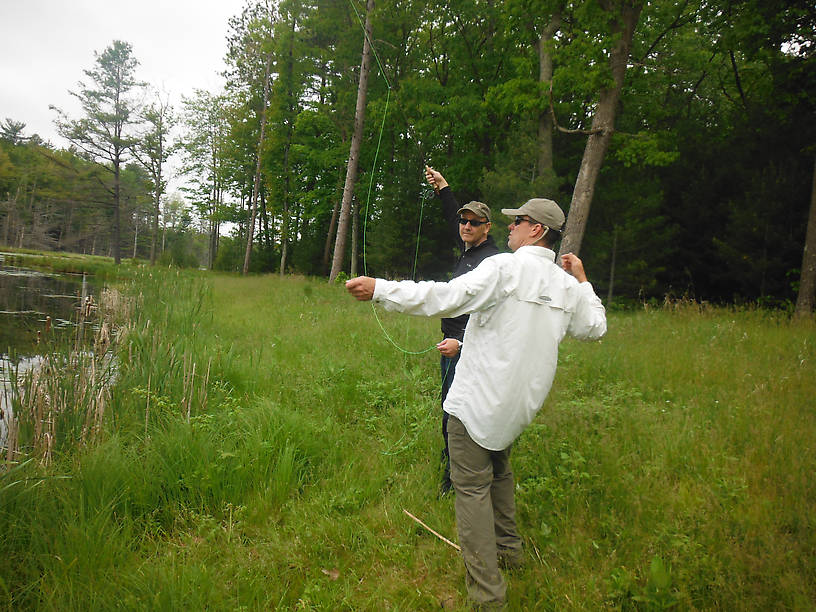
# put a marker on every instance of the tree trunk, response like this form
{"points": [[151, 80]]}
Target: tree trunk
{"points": [[211, 245], [604, 122], [290, 128], [807, 278], [135, 233], [330, 233], [354, 152], [612, 265], [156, 209], [285, 212], [355, 232], [251, 228], [265, 222], [117, 256], [545, 122], [12, 207]]}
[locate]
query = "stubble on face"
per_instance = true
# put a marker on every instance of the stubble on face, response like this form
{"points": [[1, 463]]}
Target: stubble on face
{"points": [[515, 239]]}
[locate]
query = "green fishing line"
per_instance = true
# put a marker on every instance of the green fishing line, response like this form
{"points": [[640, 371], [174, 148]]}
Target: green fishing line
{"points": [[370, 187]]}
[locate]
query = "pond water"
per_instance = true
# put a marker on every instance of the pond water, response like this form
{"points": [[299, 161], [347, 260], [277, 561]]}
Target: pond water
{"points": [[32, 303]]}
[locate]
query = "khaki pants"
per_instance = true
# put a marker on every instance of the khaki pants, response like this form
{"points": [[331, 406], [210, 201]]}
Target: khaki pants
{"points": [[485, 512]]}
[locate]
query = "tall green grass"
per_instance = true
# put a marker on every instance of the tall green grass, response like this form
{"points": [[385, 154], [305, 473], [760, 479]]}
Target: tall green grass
{"points": [[264, 439]]}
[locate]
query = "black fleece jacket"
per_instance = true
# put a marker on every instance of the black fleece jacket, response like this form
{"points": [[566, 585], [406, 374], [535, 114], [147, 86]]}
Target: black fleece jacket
{"points": [[454, 327]]}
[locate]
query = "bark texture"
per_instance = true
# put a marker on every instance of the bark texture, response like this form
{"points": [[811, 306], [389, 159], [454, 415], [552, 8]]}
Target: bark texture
{"points": [[807, 278], [604, 122], [256, 186], [354, 152]]}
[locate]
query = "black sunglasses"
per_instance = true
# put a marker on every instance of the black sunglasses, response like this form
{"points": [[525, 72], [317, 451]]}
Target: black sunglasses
{"points": [[519, 220], [473, 222]]}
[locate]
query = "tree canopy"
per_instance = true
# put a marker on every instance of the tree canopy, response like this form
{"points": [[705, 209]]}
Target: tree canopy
{"points": [[703, 187]]}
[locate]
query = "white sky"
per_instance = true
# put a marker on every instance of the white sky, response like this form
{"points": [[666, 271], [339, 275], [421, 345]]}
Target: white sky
{"points": [[46, 44]]}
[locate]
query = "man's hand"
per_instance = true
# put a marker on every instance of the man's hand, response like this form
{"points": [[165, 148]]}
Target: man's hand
{"points": [[574, 266], [449, 347], [435, 179], [361, 287]]}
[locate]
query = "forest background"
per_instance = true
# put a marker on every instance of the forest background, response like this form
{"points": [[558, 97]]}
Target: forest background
{"points": [[704, 184]]}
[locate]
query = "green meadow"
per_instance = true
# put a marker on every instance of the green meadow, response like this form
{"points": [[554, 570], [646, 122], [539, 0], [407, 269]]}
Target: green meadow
{"points": [[262, 439]]}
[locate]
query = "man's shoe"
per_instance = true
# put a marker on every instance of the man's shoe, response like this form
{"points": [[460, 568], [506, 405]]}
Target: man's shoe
{"points": [[488, 607], [510, 560]]}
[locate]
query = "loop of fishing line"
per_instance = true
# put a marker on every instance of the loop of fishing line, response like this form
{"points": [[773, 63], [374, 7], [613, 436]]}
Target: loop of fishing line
{"points": [[370, 186]]}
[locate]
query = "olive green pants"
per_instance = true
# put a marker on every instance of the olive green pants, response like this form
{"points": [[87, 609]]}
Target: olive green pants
{"points": [[485, 513]]}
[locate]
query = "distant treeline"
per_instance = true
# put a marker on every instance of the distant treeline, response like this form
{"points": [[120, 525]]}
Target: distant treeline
{"points": [[704, 188]]}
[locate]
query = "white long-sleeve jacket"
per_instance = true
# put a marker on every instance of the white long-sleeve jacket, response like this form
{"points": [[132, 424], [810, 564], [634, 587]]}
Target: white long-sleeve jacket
{"points": [[521, 305]]}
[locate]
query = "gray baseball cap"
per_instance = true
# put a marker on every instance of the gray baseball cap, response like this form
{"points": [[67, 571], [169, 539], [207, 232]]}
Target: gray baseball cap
{"points": [[478, 208], [542, 210]]}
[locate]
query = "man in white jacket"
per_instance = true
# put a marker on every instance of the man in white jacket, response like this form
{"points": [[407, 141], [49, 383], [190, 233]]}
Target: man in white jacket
{"points": [[521, 305]]}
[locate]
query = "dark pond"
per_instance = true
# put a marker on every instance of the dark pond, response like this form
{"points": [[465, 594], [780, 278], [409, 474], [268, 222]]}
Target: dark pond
{"points": [[28, 298]]}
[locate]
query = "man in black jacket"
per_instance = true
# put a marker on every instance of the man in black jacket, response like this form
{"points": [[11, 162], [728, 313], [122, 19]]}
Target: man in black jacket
{"points": [[473, 225]]}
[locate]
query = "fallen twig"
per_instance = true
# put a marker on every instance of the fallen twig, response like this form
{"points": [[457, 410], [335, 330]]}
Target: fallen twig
{"points": [[441, 537]]}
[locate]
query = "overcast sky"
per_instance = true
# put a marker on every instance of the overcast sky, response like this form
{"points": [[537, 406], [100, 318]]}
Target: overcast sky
{"points": [[46, 44]]}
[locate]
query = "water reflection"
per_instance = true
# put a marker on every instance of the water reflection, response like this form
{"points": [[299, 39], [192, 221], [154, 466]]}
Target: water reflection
{"points": [[27, 298], [32, 303]]}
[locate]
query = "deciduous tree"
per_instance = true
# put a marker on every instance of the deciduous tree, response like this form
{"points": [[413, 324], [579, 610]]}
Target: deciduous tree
{"points": [[153, 150]]}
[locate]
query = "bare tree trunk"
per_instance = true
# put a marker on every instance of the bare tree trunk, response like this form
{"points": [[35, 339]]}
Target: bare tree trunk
{"points": [[156, 209], [135, 233], [354, 153], [330, 233], [251, 228], [603, 124], [12, 207], [612, 265], [355, 231], [285, 212], [117, 256], [265, 221], [286, 225], [284, 248], [213, 214], [807, 278], [545, 121]]}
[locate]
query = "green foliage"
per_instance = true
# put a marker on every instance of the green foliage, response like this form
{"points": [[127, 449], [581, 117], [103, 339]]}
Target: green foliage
{"points": [[704, 190]]}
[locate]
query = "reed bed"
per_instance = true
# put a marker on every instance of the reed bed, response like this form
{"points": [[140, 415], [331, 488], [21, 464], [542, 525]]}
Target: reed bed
{"points": [[60, 402]]}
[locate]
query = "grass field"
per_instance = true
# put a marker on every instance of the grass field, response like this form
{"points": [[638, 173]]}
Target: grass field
{"points": [[263, 439]]}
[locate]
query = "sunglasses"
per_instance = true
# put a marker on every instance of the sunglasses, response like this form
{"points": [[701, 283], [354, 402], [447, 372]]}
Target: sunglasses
{"points": [[519, 220], [473, 223]]}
